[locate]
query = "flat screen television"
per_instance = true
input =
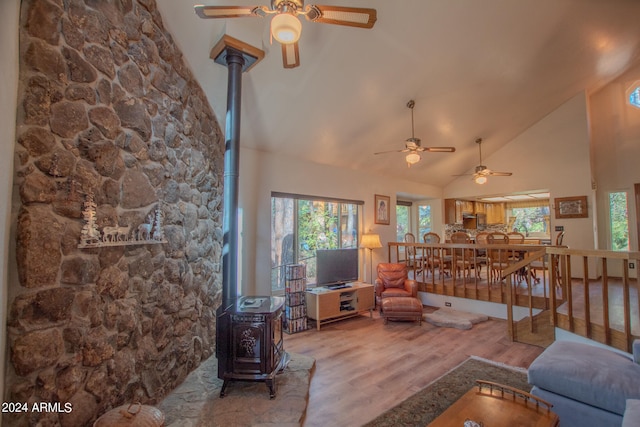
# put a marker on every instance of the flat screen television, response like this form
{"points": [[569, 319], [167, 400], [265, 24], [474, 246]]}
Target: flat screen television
{"points": [[336, 266]]}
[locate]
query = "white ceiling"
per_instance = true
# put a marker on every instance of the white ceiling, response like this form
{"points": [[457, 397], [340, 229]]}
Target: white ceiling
{"points": [[488, 68]]}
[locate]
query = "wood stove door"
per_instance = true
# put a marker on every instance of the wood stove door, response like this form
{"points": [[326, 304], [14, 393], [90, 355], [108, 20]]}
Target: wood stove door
{"points": [[248, 337]]}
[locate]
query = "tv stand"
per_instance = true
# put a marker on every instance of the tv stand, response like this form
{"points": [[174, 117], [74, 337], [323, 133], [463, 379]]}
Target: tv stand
{"points": [[330, 305]]}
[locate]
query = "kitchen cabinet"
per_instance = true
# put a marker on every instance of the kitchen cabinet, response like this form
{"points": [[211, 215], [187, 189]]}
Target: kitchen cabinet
{"points": [[467, 207], [454, 210], [495, 213], [452, 215]]}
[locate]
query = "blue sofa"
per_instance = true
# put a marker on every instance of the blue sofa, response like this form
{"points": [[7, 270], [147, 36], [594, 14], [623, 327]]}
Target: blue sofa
{"points": [[588, 385]]}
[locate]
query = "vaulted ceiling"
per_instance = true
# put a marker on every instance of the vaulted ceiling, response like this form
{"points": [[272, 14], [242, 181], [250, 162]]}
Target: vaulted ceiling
{"points": [[475, 68]]}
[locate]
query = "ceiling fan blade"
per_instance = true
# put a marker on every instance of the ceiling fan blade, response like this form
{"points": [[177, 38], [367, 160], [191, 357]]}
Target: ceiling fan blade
{"points": [[208, 12], [494, 173], [464, 174], [438, 149], [406, 150], [290, 55], [350, 16]]}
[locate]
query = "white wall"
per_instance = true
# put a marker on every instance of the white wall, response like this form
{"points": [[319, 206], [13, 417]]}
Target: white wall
{"points": [[552, 155], [9, 18], [615, 133], [261, 173]]}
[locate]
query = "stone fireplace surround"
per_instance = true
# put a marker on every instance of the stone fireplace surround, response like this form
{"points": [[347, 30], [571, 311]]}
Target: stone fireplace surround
{"points": [[107, 106]]}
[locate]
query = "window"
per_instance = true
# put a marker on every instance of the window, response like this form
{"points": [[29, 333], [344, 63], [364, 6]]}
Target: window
{"points": [[529, 217], [634, 96], [424, 220], [403, 219], [301, 224], [619, 217]]}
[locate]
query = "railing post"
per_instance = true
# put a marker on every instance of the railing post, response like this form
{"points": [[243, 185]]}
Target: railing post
{"points": [[510, 327], [605, 301], [627, 304], [587, 305]]}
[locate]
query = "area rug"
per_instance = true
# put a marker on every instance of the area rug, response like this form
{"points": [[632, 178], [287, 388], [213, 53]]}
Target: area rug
{"points": [[449, 318], [424, 406]]}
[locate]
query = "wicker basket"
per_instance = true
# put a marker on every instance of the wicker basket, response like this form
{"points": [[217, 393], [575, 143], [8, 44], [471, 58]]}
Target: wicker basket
{"points": [[131, 415]]}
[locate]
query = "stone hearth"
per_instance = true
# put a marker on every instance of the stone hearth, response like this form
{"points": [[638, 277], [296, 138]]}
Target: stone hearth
{"points": [[196, 402]]}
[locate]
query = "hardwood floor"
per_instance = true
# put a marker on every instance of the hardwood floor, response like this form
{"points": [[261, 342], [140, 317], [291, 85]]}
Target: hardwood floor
{"points": [[364, 367]]}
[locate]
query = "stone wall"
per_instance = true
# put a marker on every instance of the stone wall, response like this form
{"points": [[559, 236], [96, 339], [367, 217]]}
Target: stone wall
{"points": [[107, 107]]}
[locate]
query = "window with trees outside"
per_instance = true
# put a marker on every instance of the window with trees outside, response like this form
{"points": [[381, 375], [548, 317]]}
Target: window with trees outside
{"points": [[424, 220], [619, 221], [529, 217], [403, 219], [300, 225]]}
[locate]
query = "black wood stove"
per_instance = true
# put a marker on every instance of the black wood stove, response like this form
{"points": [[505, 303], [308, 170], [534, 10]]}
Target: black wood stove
{"points": [[253, 348], [249, 344]]}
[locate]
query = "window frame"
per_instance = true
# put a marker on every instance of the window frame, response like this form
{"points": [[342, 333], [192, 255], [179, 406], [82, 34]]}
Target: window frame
{"points": [[610, 233], [341, 209], [403, 205], [430, 209]]}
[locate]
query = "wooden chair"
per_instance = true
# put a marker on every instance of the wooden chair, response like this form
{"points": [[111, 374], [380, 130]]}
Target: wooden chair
{"points": [[434, 258], [544, 265], [516, 238], [482, 238], [415, 260], [498, 258], [463, 258]]}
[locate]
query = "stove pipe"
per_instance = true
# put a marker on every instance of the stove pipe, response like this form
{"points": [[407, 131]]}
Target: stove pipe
{"points": [[235, 63]]}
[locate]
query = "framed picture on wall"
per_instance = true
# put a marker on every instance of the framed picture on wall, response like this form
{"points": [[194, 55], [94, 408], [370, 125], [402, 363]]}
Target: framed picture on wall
{"points": [[382, 209], [571, 207]]}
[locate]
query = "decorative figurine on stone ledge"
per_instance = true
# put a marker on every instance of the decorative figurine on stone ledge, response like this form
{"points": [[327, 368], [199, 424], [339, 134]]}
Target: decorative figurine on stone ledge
{"points": [[148, 232], [89, 234], [157, 231], [144, 229]]}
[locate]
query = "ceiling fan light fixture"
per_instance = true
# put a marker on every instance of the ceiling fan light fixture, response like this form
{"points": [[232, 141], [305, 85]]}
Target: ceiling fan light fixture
{"points": [[286, 28], [481, 179], [412, 158]]}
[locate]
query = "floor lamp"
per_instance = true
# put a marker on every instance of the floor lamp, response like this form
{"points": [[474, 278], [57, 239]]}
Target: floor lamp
{"points": [[370, 241]]}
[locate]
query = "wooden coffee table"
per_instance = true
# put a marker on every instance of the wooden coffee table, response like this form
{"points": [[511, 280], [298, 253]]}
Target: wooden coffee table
{"points": [[497, 405]]}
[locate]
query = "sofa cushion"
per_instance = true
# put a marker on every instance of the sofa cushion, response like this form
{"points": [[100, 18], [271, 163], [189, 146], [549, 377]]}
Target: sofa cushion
{"points": [[577, 414], [631, 416], [589, 374]]}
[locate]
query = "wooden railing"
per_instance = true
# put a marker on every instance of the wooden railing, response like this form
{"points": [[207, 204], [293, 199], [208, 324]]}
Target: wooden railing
{"points": [[580, 288], [597, 304]]}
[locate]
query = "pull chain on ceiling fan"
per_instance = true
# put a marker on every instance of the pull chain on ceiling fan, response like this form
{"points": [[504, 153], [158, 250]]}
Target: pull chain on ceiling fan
{"points": [[413, 145], [285, 25]]}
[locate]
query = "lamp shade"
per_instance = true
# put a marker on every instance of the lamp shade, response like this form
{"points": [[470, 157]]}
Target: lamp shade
{"points": [[286, 28], [370, 241]]}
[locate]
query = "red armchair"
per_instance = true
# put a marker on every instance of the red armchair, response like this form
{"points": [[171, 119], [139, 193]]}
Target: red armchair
{"points": [[393, 281]]}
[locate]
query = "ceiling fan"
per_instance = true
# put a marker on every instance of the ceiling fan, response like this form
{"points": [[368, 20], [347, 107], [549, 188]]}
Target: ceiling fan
{"points": [[482, 172], [413, 145], [285, 25]]}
